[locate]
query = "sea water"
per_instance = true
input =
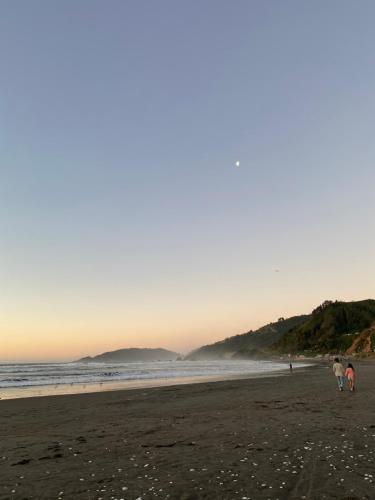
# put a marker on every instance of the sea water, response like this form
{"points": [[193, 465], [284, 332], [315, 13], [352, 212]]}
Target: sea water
{"points": [[40, 379]]}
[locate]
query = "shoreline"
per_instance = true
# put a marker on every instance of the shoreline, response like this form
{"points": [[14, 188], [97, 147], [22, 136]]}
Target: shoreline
{"points": [[27, 392]]}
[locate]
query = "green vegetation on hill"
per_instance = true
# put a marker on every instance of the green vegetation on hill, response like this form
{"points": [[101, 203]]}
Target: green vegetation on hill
{"points": [[250, 344], [332, 327]]}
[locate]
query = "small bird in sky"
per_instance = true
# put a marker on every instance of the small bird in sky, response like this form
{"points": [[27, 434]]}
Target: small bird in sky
{"points": [[237, 163]]}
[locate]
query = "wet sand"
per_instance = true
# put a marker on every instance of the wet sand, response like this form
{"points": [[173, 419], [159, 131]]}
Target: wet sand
{"points": [[288, 437], [79, 388]]}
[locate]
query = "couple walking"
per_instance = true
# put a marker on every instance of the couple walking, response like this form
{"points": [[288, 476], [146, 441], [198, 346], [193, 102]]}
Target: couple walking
{"points": [[341, 373]]}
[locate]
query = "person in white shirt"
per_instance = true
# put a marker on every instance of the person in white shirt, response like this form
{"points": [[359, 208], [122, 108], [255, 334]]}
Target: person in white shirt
{"points": [[339, 372]]}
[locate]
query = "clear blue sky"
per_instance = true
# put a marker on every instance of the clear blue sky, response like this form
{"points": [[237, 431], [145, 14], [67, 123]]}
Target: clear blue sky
{"points": [[124, 220]]}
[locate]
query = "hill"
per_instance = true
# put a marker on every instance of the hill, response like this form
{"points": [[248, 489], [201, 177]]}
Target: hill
{"points": [[333, 327], [132, 355], [248, 345]]}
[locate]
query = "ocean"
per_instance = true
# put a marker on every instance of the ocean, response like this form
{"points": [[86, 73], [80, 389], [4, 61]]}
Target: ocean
{"points": [[41, 379]]}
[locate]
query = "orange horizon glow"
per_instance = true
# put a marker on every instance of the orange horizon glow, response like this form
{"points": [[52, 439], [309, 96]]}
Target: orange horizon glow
{"points": [[171, 182]]}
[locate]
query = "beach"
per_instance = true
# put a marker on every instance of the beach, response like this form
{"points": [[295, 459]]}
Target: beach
{"points": [[279, 437], [53, 379]]}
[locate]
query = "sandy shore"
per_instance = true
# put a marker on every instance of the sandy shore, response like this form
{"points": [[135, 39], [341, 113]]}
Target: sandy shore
{"points": [[289, 437]]}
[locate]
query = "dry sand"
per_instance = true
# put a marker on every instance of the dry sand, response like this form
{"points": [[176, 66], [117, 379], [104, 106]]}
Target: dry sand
{"points": [[285, 437]]}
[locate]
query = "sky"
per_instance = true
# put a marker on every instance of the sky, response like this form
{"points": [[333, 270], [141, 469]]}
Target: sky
{"points": [[124, 221]]}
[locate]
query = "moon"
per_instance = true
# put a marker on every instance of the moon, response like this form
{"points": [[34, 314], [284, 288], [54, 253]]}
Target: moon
{"points": [[237, 163]]}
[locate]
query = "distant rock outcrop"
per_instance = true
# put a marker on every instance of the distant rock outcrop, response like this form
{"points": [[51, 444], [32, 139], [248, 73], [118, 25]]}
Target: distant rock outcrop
{"points": [[364, 342], [132, 355]]}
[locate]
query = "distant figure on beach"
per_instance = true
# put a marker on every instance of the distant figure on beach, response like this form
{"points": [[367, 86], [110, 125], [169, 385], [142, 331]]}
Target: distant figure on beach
{"points": [[350, 374], [291, 368], [339, 372]]}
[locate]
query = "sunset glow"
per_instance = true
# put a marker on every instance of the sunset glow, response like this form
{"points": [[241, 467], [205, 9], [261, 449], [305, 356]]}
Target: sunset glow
{"points": [[123, 222]]}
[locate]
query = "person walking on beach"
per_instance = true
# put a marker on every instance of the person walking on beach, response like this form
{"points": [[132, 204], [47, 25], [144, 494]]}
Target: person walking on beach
{"points": [[350, 374], [339, 372]]}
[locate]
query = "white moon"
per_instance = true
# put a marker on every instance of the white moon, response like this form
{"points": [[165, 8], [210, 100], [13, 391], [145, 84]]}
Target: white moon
{"points": [[237, 163]]}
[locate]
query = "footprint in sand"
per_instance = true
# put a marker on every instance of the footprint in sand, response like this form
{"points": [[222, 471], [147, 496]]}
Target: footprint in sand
{"points": [[25, 461]]}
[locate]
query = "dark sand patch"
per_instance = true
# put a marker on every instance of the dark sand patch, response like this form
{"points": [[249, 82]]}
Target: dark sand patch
{"points": [[290, 437]]}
